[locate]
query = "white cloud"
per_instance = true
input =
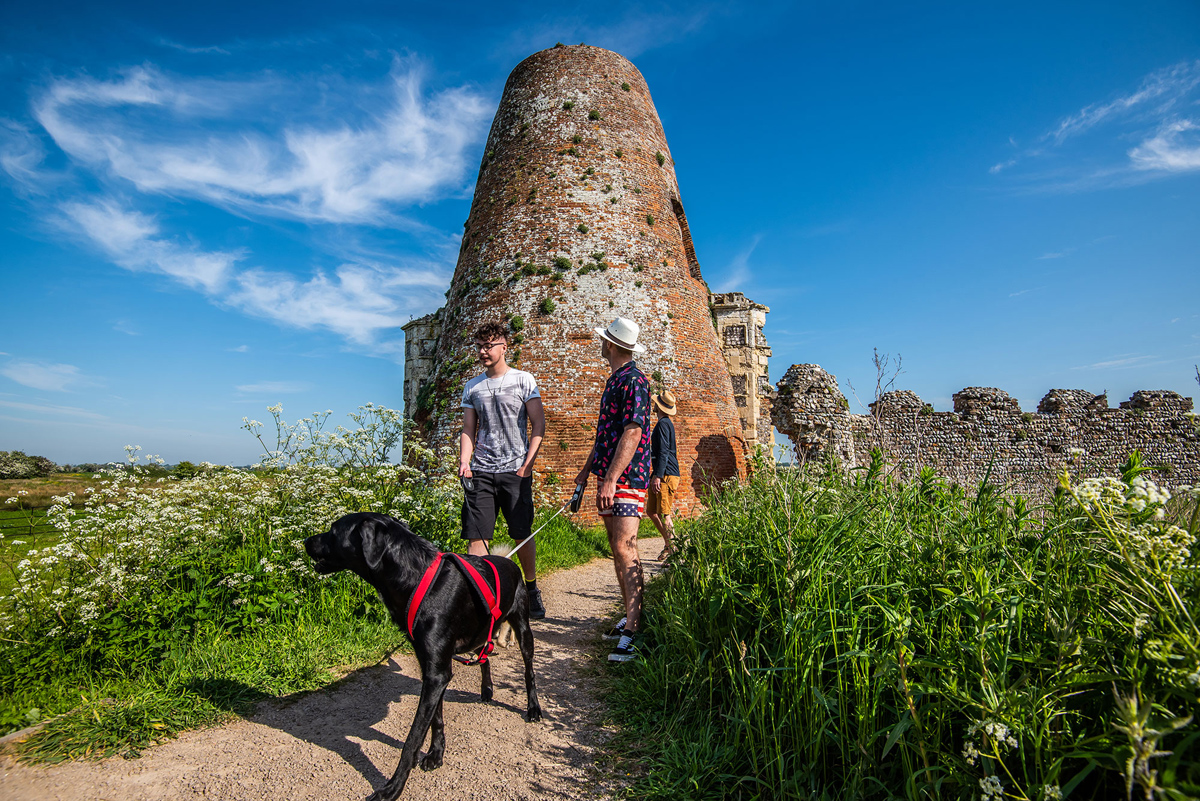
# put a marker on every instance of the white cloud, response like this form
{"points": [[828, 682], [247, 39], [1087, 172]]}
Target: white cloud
{"points": [[274, 387], [1168, 86], [1057, 254], [738, 272], [1175, 147], [358, 302], [239, 349], [21, 156], [349, 154], [44, 375], [131, 240], [1155, 115], [1123, 361], [65, 411]]}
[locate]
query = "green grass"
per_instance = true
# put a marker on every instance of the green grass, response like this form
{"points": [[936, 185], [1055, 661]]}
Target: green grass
{"points": [[186, 649], [828, 637]]}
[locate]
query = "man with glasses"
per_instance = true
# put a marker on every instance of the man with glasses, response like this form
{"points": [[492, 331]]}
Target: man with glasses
{"points": [[496, 457]]}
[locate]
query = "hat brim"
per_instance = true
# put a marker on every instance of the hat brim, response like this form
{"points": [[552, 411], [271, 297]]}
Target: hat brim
{"points": [[600, 332], [669, 411]]}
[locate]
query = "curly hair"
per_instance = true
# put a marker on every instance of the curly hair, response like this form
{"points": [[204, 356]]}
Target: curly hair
{"points": [[491, 331]]}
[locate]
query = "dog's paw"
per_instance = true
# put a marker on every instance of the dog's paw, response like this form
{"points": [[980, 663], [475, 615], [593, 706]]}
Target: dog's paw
{"points": [[533, 715], [485, 695], [431, 762]]}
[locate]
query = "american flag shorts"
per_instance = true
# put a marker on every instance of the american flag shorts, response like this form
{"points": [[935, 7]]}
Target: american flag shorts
{"points": [[628, 502]]}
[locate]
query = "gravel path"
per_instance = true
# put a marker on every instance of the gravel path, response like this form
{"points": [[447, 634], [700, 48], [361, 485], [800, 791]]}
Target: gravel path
{"points": [[345, 741]]}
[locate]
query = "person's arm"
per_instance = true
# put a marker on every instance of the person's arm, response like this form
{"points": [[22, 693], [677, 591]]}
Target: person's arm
{"points": [[466, 441], [537, 419], [626, 446]]}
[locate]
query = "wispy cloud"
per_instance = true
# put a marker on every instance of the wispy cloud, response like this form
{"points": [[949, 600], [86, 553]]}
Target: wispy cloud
{"points": [[360, 302], [1057, 254], [1123, 361], [45, 408], [1021, 292], [737, 273], [131, 239], [22, 154], [274, 388], [349, 153], [240, 349], [188, 49], [45, 375], [1160, 115]]}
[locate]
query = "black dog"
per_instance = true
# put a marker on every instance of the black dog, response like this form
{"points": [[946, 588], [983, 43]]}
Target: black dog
{"points": [[451, 618]]}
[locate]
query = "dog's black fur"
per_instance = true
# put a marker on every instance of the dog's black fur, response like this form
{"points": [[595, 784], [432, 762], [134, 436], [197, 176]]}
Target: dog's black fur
{"points": [[451, 620]]}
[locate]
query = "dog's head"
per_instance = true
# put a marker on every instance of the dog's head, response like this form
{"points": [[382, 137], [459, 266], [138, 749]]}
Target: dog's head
{"points": [[361, 542]]}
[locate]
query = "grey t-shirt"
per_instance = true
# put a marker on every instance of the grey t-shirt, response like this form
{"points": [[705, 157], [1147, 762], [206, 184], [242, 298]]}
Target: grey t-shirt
{"points": [[501, 444]]}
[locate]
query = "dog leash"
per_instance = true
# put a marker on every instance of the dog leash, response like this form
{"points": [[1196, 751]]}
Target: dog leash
{"points": [[573, 503]]}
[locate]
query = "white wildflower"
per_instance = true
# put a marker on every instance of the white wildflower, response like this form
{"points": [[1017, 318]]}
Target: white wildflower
{"points": [[970, 752], [1051, 792], [991, 788]]}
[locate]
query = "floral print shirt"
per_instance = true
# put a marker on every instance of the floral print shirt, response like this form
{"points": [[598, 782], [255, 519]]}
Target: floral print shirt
{"points": [[626, 401]]}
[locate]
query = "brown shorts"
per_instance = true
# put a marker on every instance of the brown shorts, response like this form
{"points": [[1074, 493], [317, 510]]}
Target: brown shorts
{"points": [[661, 503]]}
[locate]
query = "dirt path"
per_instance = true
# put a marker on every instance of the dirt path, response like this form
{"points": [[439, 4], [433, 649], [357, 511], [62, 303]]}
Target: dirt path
{"points": [[345, 741]]}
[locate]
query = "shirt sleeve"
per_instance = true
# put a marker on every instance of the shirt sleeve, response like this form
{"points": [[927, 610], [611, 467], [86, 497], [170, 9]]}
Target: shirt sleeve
{"points": [[531, 390], [637, 409], [466, 397]]}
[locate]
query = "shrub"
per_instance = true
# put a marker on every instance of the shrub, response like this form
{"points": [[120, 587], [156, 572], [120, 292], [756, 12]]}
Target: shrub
{"points": [[562, 263], [618, 153], [15, 464], [649, 219], [660, 158], [638, 284], [625, 87], [612, 199], [547, 306], [589, 171], [517, 323], [568, 104], [577, 139], [593, 114], [581, 228]]}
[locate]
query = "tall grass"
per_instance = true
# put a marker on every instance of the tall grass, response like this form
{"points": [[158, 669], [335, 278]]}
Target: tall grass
{"points": [[826, 636]]}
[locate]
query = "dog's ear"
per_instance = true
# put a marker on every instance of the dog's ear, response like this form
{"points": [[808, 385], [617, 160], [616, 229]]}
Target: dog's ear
{"points": [[374, 537]]}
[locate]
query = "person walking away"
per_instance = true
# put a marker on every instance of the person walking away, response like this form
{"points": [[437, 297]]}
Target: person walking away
{"points": [[496, 456], [664, 482], [620, 459]]}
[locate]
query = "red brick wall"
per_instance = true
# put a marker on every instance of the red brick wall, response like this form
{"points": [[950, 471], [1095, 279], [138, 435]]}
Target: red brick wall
{"points": [[531, 199]]}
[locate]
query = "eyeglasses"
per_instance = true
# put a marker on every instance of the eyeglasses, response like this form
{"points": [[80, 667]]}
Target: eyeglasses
{"points": [[486, 346]]}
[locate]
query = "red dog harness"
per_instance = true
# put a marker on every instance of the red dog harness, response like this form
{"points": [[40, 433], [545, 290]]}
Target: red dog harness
{"points": [[490, 599]]}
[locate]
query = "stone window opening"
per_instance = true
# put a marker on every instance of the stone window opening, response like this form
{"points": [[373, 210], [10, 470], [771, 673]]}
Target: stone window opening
{"points": [[735, 336], [685, 233]]}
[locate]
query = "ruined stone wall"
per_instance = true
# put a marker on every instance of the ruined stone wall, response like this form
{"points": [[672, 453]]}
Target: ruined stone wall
{"points": [[577, 219], [988, 431], [740, 323]]}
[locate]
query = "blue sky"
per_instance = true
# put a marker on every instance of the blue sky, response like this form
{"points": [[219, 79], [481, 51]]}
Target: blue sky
{"points": [[207, 210]]}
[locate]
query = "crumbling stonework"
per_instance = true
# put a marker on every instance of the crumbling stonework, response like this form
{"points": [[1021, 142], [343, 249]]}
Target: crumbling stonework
{"points": [[987, 434], [740, 323], [577, 219]]}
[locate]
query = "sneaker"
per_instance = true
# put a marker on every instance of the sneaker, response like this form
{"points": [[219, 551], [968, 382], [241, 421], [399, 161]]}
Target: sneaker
{"points": [[537, 609], [625, 650], [616, 631]]}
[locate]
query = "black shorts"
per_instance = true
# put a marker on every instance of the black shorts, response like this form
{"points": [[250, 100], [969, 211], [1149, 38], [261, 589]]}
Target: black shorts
{"points": [[504, 492]]}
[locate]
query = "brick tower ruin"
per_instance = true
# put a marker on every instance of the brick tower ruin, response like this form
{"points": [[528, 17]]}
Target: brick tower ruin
{"points": [[577, 218]]}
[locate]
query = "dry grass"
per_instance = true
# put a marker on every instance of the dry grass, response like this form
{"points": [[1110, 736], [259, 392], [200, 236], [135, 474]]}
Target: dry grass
{"points": [[42, 490]]}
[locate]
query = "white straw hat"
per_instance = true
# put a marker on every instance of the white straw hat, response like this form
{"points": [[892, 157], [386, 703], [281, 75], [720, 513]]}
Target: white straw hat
{"points": [[623, 333]]}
